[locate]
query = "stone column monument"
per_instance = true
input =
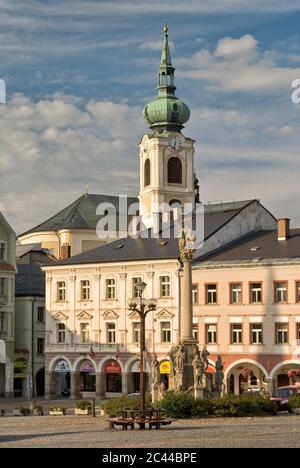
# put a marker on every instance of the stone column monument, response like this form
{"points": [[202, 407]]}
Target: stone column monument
{"points": [[181, 356]]}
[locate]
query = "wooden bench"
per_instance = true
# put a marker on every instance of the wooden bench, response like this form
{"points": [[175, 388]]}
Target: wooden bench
{"points": [[157, 423], [121, 422]]}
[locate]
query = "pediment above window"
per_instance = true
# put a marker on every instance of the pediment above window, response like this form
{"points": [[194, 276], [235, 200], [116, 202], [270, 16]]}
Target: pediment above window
{"points": [[164, 313], [60, 316], [84, 316], [110, 315]]}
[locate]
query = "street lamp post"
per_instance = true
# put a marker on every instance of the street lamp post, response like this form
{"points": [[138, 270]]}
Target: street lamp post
{"points": [[142, 307]]}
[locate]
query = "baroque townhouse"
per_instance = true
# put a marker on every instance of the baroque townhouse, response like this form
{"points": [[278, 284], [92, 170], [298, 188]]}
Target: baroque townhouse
{"points": [[7, 307], [247, 307]]}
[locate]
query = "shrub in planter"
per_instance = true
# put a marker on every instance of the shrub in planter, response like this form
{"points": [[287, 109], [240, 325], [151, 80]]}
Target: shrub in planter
{"points": [[294, 403], [83, 407], [21, 411], [38, 410], [115, 406], [60, 411]]}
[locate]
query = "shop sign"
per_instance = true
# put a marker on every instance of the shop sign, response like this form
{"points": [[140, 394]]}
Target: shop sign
{"points": [[62, 366], [165, 367], [113, 367], [87, 366]]}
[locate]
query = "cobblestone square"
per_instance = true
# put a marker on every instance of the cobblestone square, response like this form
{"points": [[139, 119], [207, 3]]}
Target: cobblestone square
{"points": [[87, 432]]}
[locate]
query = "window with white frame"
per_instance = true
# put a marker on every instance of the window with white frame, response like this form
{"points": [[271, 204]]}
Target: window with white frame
{"points": [[165, 328], [211, 293], [236, 293], [61, 291], [84, 332], [211, 333], [165, 286], [255, 293], [136, 332], [135, 292], [282, 333], [2, 287], [281, 289], [111, 332], [85, 290], [61, 333], [111, 288], [2, 251], [256, 333], [236, 333], [195, 293], [195, 331]]}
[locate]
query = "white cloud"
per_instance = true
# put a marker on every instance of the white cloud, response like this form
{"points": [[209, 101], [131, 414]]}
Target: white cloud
{"points": [[237, 65]]}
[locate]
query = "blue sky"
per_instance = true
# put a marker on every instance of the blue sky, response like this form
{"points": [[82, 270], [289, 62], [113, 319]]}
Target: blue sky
{"points": [[78, 74]]}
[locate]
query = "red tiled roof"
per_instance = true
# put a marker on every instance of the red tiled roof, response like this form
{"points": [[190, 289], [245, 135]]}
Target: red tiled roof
{"points": [[6, 267]]}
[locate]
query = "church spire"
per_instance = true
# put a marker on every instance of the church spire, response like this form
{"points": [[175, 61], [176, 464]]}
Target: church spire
{"points": [[166, 111], [166, 71]]}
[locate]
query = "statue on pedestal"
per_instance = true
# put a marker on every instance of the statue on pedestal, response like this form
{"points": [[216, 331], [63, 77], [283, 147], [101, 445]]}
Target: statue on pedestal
{"points": [[155, 372], [204, 355], [179, 355], [219, 374], [198, 367]]}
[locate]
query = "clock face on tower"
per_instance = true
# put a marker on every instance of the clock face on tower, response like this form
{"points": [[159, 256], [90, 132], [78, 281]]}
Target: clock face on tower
{"points": [[174, 142]]}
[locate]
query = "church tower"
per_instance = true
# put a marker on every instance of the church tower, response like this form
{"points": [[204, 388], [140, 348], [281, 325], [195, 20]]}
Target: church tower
{"points": [[166, 155]]}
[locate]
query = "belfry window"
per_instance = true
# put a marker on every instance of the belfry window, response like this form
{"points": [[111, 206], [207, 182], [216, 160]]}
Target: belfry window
{"points": [[174, 171], [147, 173]]}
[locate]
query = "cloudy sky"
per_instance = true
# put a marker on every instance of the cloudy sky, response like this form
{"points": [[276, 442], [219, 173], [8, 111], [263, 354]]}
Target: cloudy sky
{"points": [[78, 73]]}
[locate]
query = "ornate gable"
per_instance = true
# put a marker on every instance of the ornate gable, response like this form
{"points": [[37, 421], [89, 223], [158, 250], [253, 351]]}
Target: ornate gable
{"points": [[110, 315], [84, 315], [60, 316], [164, 313]]}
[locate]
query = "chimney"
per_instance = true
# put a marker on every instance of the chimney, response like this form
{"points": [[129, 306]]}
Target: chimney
{"points": [[283, 229]]}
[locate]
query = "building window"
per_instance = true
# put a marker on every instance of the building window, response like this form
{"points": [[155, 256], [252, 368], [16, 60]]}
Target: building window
{"points": [[298, 331], [147, 173], [255, 293], [110, 288], [195, 293], [136, 332], [165, 328], [282, 332], [2, 287], [165, 286], [2, 251], [281, 292], [195, 331], [211, 334], [298, 291], [111, 333], [174, 171], [211, 293], [40, 314], [256, 333], [85, 290], [40, 346], [84, 332], [61, 291], [2, 321], [135, 292], [61, 333], [236, 293], [236, 333]]}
